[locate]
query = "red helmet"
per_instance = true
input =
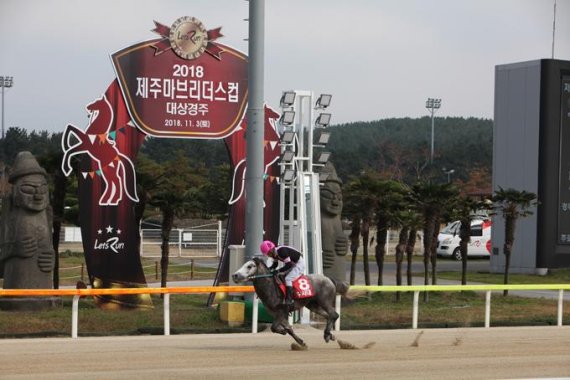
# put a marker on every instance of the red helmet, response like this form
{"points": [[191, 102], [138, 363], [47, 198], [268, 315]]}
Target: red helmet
{"points": [[266, 246]]}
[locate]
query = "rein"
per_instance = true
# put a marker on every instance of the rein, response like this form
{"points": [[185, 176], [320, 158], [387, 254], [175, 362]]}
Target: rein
{"points": [[260, 276]]}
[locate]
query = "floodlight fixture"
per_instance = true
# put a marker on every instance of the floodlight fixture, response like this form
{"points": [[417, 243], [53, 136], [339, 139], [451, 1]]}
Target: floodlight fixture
{"points": [[324, 138], [323, 157], [287, 157], [6, 81], [288, 175], [287, 99], [287, 118], [287, 137], [323, 101], [432, 103], [323, 120]]}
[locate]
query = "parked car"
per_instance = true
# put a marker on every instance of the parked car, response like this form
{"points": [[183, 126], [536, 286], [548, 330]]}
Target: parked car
{"points": [[479, 246]]}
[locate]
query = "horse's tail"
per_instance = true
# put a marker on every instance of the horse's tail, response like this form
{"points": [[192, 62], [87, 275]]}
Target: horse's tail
{"points": [[129, 178], [340, 286]]}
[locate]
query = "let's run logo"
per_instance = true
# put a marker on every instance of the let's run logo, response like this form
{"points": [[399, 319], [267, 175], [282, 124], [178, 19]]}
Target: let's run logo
{"points": [[108, 238]]}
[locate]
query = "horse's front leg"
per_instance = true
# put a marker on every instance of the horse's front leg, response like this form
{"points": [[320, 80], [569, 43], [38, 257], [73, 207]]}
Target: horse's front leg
{"points": [[281, 326], [290, 331], [71, 150]]}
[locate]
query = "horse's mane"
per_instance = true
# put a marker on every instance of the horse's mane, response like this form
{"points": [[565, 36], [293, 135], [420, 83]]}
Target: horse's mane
{"points": [[261, 267]]}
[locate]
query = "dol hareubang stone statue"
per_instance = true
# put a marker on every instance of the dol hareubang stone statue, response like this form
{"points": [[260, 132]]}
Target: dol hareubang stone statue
{"points": [[334, 241], [26, 251]]}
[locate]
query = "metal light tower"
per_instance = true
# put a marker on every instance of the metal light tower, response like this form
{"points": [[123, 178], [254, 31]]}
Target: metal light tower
{"points": [[432, 105], [5, 82]]}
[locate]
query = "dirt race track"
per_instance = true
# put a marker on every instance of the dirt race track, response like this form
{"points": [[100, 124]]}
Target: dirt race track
{"points": [[474, 353]]}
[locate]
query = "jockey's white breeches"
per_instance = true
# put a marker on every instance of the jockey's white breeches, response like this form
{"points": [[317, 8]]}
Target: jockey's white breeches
{"points": [[297, 270]]}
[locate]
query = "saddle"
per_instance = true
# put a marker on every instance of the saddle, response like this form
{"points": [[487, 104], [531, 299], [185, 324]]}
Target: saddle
{"points": [[302, 287]]}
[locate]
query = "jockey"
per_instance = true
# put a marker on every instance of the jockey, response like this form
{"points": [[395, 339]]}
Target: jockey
{"points": [[293, 260]]}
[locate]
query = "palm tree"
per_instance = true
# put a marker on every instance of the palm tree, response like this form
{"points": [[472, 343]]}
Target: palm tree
{"points": [[429, 199], [149, 174], [354, 244], [463, 210], [415, 224], [389, 202], [512, 204], [172, 196], [360, 198], [407, 221]]}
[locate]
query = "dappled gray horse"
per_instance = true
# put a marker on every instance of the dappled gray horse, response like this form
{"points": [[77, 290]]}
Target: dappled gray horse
{"points": [[267, 289]]}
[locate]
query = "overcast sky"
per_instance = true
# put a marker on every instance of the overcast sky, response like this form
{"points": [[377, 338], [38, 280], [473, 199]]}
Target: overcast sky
{"points": [[379, 58]]}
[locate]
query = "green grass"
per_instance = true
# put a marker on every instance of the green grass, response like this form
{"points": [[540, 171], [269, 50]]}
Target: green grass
{"points": [[190, 313], [449, 309], [554, 276]]}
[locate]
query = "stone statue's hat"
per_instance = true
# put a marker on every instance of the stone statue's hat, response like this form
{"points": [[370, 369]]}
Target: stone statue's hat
{"points": [[331, 171], [25, 164]]}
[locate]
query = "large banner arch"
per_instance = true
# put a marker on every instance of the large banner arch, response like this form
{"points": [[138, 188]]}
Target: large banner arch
{"points": [[182, 85]]}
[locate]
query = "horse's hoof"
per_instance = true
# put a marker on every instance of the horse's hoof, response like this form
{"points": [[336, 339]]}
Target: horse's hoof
{"points": [[299, 347]]}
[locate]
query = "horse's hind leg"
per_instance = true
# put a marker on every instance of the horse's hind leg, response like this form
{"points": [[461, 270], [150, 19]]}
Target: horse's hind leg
{"points": [[331, 316]]}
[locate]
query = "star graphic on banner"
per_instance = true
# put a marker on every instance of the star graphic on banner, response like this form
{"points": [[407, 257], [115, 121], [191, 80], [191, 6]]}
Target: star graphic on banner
{"points": [[119, 232], [99, 232], [109, 229]]}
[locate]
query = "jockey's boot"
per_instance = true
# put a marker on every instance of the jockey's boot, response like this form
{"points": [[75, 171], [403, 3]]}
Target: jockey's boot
{"points": [[288, 296]]}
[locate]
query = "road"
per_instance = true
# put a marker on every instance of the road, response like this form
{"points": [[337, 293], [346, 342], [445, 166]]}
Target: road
{"points": [[443, 265], [474, 353]]}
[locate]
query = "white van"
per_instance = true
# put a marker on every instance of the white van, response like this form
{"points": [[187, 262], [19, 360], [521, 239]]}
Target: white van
{"points": [[480, 244]]}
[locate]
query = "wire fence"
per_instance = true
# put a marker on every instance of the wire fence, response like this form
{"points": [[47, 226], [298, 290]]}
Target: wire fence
{"points": [[187, 270]]}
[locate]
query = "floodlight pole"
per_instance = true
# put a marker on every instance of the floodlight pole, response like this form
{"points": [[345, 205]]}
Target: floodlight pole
{"points": [[432, 105], [255, 130], [5, 82]]}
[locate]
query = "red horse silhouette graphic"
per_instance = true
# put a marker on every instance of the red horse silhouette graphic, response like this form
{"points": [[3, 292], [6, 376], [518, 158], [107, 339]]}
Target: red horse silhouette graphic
{"points": [[116, 169], [271, 154]]}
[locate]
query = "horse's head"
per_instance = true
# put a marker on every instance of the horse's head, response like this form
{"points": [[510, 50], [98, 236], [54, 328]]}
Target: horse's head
{"points": [[249, 269]]}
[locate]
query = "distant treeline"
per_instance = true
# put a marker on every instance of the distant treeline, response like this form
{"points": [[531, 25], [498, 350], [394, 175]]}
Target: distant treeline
{"points": [[397, 148]]}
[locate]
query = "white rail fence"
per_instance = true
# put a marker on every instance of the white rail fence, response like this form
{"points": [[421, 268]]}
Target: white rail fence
{"points": [[187, 242], [416, 289]]}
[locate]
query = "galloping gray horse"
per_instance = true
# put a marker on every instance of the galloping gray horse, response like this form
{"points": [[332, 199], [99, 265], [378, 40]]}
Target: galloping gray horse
{"points": [[267, 289]]}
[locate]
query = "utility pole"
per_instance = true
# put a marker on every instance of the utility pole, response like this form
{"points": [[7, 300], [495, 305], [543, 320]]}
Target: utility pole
{"points": [[255, 130]]}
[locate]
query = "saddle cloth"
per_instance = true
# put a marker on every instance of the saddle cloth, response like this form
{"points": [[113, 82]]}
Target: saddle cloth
{"points": [[302, 287]]}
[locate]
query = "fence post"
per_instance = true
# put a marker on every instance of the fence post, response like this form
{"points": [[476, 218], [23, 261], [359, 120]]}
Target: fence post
{"points": [[415, 310], [337, 309], [487, 309], [180, 242], [254, 314], [219, 253], [166, 313], [560, 303], [142, 241], [74, 316], [82, 271]]}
